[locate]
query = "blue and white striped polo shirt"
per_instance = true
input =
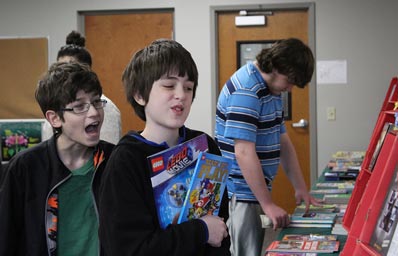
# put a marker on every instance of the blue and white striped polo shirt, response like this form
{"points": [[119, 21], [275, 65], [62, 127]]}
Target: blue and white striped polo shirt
{"points": [[247, 110]]}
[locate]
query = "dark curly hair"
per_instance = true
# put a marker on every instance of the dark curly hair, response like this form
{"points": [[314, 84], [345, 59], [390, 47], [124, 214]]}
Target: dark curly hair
{"points": [[61, 83], [289, 57]]}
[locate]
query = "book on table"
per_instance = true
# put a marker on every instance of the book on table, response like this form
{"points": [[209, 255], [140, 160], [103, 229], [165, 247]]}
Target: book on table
{"points": [[298, 246], [329, 191], [345, 155], [171, 175], [340, 176], [345, 169], [315, 208], [348, 185], [290, 254], [309, 237], [344, 165], [313, 217], [336, 198], [310, 225]]}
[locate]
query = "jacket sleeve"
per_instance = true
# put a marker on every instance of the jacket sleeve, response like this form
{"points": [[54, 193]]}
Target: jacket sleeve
{"points": [[128, 218], [11, 218]]}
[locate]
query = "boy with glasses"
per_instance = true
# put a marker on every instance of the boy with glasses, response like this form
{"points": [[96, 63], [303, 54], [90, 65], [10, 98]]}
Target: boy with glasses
{"points": [[48, 199], [75, 50]]}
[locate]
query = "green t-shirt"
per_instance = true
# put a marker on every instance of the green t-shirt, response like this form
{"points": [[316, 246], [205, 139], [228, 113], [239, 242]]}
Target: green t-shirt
{"points": [[77, 218]]}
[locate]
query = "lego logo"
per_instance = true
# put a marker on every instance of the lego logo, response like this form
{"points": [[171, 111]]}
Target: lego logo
{"points": [[157, 164]]}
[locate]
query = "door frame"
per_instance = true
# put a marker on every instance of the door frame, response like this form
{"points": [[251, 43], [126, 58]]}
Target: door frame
{"points": [[310, 8], [82, 13]]}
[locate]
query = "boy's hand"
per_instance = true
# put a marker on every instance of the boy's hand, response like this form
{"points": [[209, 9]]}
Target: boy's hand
{"points": [[278, 216], [216, 228], [304, 196]]}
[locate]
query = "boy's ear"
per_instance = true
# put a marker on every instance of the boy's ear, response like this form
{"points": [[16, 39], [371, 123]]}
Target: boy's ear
{"points": [[53, 118], [138, 98]]}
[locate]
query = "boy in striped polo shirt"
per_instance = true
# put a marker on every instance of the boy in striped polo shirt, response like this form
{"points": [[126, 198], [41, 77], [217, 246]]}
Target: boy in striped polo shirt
{"points": [[250, 130]]}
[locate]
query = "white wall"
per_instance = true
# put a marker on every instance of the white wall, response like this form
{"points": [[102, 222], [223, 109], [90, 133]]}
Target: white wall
{"points": [[363, 32]]}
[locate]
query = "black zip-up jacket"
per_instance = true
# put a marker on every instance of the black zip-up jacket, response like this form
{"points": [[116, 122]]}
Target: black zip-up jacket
{"points": [[129, 224], [28, 194]]}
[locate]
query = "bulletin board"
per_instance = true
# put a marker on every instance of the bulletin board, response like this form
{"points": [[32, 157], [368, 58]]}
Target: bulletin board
{"points": [[22, 62], [19, 134]]}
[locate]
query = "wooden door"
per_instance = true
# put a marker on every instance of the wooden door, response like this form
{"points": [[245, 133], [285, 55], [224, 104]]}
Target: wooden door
{"points": [[281, 24], [112, 39], [29, 55]]}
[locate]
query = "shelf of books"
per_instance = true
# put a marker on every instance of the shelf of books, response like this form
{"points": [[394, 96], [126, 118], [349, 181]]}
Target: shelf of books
{"points": [[319, 231], [372, 186], [360, 192], [379, 235], [376, 216]]}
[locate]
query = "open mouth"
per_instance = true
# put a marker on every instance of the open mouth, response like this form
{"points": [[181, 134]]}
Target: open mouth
{"points": [[178, 108], [93, 127]]}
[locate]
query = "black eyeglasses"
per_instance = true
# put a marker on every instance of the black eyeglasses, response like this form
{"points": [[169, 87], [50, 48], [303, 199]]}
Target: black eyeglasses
{"points": [[84, 107]]}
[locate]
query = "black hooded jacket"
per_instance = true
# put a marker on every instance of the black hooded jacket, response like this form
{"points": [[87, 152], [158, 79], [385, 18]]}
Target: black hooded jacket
{"points": [[128, 219], [28, 194]]}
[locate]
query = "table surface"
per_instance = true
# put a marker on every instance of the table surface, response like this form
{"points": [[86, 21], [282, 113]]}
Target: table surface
{"points": [[320, 231]]}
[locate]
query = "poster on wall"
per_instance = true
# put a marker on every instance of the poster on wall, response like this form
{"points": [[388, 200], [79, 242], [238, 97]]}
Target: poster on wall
{"points": [[331, 72], [19, 134]]}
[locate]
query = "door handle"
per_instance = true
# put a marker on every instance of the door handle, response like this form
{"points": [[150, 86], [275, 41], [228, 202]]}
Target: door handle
{"points": [[300, 124]]}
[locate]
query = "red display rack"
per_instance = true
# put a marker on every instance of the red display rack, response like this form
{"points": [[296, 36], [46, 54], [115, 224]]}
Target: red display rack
{"points": [[368, 220], [372, 178]]}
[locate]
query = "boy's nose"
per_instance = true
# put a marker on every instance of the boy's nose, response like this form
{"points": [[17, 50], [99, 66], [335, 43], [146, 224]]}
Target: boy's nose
{"points": [[179, 92]]}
